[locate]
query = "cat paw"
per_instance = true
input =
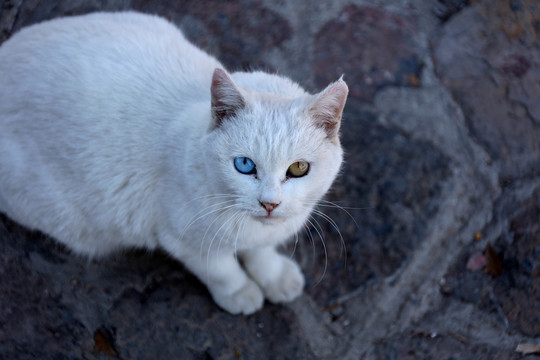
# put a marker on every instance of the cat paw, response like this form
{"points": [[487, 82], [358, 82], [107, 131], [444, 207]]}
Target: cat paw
{"points": [[246, 300], [287, 286]]}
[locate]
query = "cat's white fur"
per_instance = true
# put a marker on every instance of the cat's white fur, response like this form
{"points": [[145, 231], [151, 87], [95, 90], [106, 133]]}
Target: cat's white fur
{"points": [[116, 132]]}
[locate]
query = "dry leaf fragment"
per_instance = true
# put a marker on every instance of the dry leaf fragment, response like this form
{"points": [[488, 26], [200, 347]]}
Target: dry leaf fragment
{"points": [[494, 264], [528, 349], [103, 344], [413, 79]]}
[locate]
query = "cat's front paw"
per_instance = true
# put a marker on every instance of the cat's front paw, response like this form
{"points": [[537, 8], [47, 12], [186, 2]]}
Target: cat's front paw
{"points": [[287, 286], [248, 299]]}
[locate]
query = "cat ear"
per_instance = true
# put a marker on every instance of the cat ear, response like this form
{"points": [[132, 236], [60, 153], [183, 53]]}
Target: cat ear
{"points": [[328, 108], [226, 98]]}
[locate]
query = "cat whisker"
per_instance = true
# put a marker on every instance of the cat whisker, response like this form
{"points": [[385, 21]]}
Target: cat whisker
{"points": [[307, 231], [229, 219], [194, 218], [336, 227], [345, 209], [330, 204], [327, 203], [240, 230], [321, 236], [204, 213], [296, 239], [212, 196], [309, 235], [218, 231], [217, 218], [232, 220]]}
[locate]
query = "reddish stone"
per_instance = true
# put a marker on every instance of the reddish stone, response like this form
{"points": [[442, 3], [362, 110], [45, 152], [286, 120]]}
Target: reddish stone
{"points": [[373, 47], [238, 34], [476, 261], [516, 65]]}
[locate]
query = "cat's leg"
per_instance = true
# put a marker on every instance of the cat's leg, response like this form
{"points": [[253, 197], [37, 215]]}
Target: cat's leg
{"points": [[227, 282], [278, 276]]}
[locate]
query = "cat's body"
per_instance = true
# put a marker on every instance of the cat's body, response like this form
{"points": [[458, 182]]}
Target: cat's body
{"points": [[117, 132]]}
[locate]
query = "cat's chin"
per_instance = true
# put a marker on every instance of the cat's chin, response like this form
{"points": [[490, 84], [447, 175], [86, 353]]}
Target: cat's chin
{"points": [[270, 220]]}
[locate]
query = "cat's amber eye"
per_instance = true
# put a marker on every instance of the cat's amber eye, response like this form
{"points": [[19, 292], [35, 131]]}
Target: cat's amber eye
{"points": [[298, 169]]}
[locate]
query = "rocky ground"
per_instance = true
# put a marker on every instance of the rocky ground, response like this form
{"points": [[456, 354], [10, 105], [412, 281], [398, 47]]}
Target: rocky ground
{"points": [[440, 256]]}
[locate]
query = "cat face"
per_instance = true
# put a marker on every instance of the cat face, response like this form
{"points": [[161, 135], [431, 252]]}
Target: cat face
{"points": [[274, 155]]}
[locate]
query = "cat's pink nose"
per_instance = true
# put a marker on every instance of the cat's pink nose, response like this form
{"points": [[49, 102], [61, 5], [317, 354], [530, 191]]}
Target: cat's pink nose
{"points": [[268, 206]]}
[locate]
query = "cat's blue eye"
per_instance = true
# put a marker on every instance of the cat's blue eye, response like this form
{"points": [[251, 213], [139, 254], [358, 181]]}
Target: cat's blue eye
{"points": [[244, 165]]}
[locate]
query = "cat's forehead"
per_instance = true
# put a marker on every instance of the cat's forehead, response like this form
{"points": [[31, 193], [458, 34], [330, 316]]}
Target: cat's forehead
{"points": [[273, 116], [276, 132]]}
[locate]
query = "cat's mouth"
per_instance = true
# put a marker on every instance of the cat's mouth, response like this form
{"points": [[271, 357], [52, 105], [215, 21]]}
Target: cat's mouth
{"points": [[269, 219]]}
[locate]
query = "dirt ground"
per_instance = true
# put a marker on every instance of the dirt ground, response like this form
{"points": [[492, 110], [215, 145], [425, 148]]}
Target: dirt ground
{"points": [[440, 196]]}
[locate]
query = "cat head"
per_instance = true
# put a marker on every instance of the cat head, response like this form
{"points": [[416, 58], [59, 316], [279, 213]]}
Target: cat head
{"points": [[276, 148]]}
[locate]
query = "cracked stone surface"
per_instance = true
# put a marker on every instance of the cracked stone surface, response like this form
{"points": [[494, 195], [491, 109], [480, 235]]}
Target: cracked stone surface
{"points": [[442, 139]]}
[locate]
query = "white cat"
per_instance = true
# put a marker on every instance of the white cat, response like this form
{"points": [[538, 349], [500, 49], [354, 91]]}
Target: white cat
{"points": [[116, 132]]}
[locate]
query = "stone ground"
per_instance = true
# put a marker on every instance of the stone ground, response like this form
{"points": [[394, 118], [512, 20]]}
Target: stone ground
{"points": [[440, 249]]}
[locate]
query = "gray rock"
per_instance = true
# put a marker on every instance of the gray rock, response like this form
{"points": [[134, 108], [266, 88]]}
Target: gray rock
{"points": [[488, 57], [442, 150]]}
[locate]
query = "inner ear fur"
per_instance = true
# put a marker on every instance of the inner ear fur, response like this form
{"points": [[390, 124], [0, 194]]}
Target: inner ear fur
{"points": [[327, 108], [226, 98]]}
